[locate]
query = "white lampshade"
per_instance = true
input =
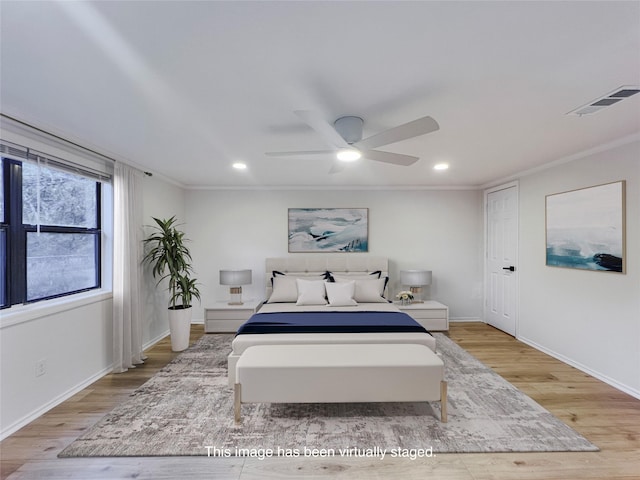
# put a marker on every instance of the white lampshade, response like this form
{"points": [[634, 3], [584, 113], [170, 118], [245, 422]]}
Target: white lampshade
{"points": [[235, 277], [415, 278]]}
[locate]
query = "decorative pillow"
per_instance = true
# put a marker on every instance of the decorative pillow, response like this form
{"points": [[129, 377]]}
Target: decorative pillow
{"points": [[307, 276], [341, 294], [311, 292], [346, 277], [370, 291], [285, 289]]}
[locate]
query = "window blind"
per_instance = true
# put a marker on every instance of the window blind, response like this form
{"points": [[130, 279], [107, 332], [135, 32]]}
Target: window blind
{"points": [[22, 141], [22, 153]]}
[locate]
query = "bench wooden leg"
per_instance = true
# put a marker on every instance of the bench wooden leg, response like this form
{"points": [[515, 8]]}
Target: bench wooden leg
{"points": [[237, 395], [443, 401]]}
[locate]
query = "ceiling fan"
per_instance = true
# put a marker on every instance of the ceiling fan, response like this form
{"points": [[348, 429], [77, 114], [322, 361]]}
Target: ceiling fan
{"points": [[345, 136]]}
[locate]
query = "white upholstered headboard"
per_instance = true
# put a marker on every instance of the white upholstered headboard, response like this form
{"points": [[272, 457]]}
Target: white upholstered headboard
{"points": [[317, 264]]}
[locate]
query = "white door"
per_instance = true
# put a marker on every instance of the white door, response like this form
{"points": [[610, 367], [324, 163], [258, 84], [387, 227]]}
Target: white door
{"points": [[502, 252]]}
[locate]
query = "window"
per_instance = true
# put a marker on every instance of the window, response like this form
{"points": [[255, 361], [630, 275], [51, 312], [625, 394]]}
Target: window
{"points": [[50, 230]]}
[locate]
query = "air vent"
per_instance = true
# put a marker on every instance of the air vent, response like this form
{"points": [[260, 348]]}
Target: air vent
{"points": [[605, 101]]}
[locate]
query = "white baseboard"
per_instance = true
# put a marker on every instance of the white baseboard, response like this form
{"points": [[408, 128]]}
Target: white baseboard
{"points": [[17, 425], [604, 378], [155, 340], [464, 319]]}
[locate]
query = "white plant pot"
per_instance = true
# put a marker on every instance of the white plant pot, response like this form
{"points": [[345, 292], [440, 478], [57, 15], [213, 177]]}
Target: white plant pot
{"points": [[180, 328]]}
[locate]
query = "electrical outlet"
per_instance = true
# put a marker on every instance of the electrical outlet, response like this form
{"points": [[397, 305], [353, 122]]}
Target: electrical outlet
{"points": [[41, 367]]}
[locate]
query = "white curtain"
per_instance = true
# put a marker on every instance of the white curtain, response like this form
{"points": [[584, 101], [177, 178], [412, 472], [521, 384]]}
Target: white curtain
{"points": [[127, 257]]}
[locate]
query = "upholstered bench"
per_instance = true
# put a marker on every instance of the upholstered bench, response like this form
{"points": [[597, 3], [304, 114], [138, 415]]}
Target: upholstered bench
{"points": [[337, 373]]}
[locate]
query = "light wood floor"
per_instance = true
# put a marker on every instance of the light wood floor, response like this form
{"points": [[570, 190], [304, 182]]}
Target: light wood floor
{"points": [[606, 416]]}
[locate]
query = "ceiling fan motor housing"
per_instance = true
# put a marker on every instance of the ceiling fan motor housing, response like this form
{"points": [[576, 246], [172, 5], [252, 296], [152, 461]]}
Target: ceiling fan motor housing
{"points": [[349, 128]]}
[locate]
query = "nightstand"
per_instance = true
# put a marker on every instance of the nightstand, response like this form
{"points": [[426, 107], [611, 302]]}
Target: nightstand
{"points": [[222, 317], [430, 314]]}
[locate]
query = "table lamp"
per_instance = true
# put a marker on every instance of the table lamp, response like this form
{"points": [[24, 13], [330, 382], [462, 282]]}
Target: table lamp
{"points": [[415, 280], [235, 278]]}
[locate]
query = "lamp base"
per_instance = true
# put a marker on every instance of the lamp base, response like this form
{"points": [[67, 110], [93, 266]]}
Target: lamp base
{"points": [[235, 294], [417, 294]]}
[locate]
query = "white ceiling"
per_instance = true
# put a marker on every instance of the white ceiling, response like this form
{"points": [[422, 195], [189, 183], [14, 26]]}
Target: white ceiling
{"points": [[184, 89]]}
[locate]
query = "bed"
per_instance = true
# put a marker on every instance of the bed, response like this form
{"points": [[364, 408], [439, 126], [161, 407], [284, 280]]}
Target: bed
{"points": [[333, 324]]}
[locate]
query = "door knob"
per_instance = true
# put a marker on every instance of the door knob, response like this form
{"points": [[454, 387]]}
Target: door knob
{"points": [[510, 268]]}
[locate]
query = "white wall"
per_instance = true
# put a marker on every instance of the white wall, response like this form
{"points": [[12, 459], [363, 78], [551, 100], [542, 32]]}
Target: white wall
{"points": [[589, 319], [73, 338], [432, 229]]}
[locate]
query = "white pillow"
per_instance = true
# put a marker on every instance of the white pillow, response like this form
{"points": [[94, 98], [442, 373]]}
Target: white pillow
{"points": [[285, 289], [338, 277], [311, 292], [370, 291], [341, 294], [306, 276]]}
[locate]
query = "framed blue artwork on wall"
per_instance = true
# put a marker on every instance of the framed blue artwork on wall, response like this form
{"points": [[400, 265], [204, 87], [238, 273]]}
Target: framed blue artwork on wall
{"points": [[585, 228], [328, 230]]}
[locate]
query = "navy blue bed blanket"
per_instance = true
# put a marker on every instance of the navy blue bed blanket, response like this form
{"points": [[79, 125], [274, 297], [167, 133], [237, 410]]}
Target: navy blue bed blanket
{"points": [[330, 322]]}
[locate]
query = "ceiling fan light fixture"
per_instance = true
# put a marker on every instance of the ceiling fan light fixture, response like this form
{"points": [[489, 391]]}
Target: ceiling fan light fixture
{"points": [[345, 136], [441, 166], [348, 155]]}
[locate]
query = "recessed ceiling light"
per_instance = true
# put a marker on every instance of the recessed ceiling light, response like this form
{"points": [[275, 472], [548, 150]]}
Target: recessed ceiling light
{"points": [[348, 155], [441, 166], [240, 166]]}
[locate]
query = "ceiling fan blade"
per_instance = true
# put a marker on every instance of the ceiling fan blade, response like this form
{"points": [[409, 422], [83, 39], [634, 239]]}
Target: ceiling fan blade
{"points": [[412, 129], [388, 157], [300, 153], [325, 130]]}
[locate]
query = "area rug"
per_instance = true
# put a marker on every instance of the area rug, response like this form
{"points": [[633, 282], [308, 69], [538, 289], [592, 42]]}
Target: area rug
{"points": [[187, 409]]}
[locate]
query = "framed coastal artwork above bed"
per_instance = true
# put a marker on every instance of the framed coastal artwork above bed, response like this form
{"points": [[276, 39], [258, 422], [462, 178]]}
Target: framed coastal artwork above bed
{"points": [[328, 230], [585, 228]]}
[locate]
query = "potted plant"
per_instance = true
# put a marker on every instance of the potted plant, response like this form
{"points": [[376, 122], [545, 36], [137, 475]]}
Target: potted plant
{"points": [[170, 259]]}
